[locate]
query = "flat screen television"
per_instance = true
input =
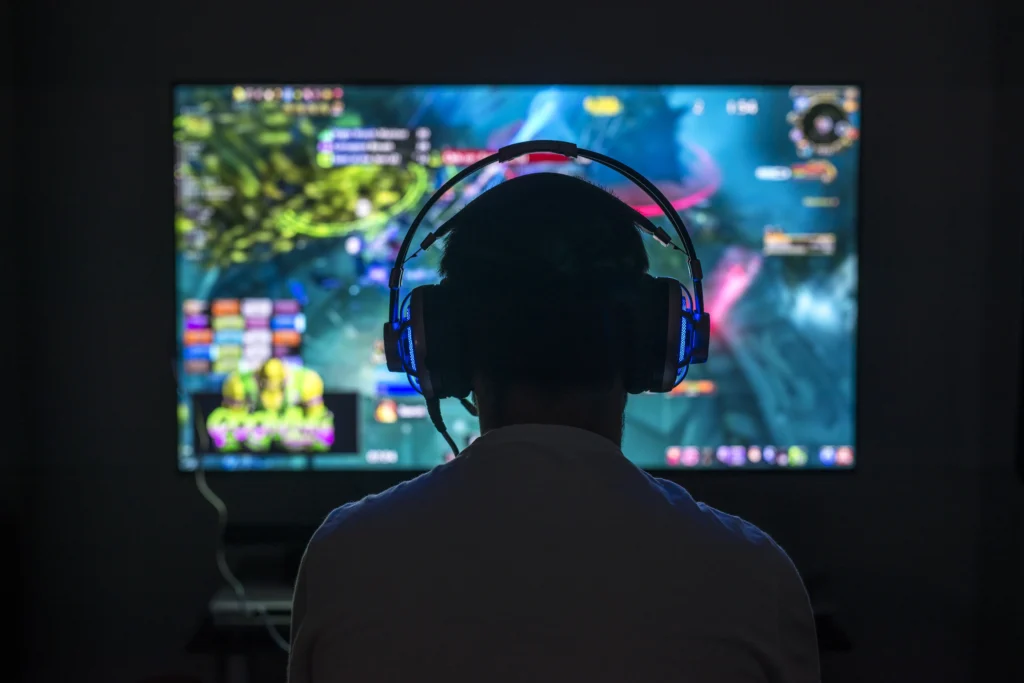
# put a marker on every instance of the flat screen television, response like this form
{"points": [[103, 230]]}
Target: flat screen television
{"points": [[291, 200]]}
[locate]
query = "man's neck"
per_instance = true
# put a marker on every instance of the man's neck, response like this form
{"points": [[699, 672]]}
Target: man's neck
{"points": [[600, 413]]}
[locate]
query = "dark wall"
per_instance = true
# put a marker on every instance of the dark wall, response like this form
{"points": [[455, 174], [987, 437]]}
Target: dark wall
{"points": [[1001, 508], [919, 545], [14, 346]]}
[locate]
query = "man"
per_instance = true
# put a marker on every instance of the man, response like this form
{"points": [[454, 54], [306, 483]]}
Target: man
{"points": [[541, 553]]}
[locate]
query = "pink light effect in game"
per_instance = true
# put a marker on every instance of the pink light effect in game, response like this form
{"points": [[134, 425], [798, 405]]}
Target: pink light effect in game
{"points": [[730, 282], [710, 178]]}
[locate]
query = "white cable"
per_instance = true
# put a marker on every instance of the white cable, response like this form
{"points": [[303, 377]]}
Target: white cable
{"points": [[250, 609]]}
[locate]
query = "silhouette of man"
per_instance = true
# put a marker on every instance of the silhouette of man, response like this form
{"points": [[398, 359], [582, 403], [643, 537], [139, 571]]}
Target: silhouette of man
{"points": [[541, 553]]}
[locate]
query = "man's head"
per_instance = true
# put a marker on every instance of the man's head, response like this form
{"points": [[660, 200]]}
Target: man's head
{"points": [[542, 267]]}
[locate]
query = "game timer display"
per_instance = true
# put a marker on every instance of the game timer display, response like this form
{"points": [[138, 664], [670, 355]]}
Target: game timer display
{"points": [[292, 200]]}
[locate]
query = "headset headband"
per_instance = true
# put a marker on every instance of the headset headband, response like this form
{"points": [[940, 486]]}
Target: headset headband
{"points": [[566, 149]]}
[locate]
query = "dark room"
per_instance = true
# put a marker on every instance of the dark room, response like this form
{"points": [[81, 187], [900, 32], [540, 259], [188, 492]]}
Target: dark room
{"points": [[211, 218]]}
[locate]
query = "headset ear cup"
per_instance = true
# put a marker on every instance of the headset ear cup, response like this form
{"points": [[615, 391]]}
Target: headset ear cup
{"points": [[646, 338], [656, 337], [635, 351], [440, 343], [676, 335], [415, 343]]}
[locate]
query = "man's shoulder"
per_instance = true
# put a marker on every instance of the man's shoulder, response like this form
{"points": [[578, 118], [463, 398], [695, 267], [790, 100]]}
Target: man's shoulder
{"points": [[731, 533], [363, 515], [396, 508]]}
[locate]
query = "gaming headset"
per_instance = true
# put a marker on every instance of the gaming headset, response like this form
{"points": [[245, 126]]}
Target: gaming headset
{"points": [[672, 329]]}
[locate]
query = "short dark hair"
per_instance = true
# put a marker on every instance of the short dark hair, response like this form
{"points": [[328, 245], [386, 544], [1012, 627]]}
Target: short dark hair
{"points": [[539, 265]]}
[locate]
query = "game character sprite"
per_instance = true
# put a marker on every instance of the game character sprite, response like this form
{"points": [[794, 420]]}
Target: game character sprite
{"points": [[275, 387]]}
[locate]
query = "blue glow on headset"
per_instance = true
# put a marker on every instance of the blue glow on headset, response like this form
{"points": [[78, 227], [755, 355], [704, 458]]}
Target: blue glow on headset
{"points": [[684, 332], [406, 343], [681, 374], [684, 349], [685, 335], [408, 349]]}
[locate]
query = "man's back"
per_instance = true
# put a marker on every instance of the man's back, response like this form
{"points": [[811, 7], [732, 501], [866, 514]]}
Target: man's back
{"points": [[541, 553]]}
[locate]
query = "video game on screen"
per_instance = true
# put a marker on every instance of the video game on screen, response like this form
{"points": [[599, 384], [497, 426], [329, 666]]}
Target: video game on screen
{"points": [[292, 199]]}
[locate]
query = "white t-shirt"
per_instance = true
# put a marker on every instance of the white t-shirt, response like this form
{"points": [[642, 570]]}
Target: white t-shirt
{"points": [[542, 554]]}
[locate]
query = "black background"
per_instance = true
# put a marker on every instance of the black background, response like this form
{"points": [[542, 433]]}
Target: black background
{"points": [[921, 546]]}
